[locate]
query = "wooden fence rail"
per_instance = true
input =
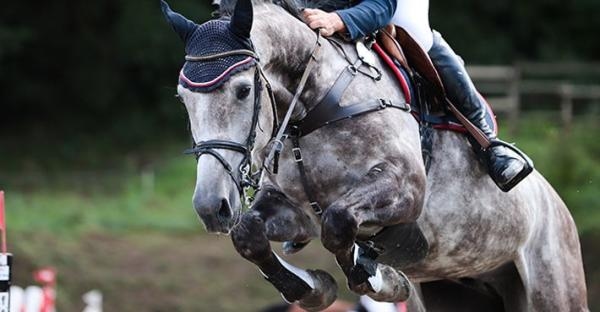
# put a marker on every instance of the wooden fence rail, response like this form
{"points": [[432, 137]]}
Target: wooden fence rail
{"points": [[504, 86]]}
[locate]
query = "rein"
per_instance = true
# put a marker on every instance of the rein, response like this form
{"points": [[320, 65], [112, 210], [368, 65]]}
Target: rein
{"points": [[275, 151]]}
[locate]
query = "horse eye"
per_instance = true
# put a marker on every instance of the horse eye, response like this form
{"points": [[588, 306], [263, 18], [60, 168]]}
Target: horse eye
{"points": [[243, 92], [178, 97]]}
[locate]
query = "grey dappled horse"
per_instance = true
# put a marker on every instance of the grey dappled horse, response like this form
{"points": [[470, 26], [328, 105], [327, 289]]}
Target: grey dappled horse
{"points": [[516, 251]]}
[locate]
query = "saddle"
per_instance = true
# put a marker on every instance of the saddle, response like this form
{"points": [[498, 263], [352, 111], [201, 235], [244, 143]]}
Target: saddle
{"points": [[406, 51], [432, 107]]}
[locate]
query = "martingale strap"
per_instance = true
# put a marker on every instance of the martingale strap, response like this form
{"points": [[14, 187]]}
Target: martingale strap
{"points": [[329, 103], [337, 113], [331, 115], [308, 189], [328, 111]]}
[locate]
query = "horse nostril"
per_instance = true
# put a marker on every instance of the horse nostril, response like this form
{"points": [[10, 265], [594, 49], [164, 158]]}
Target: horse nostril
{"points": [[224, 210]]}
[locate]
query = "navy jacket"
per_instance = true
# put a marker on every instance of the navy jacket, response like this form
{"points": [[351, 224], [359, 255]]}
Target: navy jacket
{"points": [[367, 16]]}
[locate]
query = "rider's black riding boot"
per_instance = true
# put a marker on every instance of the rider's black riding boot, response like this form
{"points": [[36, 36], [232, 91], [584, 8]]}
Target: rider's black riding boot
{"points": [[507, 166]]}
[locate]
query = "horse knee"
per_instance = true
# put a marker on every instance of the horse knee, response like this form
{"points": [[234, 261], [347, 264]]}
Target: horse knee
{"points": [[338, 230], [250, 239]]}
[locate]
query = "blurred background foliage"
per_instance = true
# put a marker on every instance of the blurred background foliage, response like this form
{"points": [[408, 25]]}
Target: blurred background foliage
{"points": [[91, 140]]}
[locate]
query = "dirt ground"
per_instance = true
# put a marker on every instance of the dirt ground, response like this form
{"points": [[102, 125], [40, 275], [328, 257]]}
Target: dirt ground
{"points": [[179, 272], [154, 271]]}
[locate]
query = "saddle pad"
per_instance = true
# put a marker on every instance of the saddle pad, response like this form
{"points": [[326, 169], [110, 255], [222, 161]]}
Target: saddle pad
{"points": [[443, 122], [404, 85]]}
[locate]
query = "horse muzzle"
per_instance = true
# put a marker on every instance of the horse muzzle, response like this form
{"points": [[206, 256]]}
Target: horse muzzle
{"points": [[216, 212]]}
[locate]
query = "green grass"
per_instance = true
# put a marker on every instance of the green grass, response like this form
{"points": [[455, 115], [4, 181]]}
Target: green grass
{"points": [[157, 199]]}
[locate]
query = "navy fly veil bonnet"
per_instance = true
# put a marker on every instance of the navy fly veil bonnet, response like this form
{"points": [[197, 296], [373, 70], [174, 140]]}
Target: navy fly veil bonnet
{"points": [[210, 38], [205, 76]]}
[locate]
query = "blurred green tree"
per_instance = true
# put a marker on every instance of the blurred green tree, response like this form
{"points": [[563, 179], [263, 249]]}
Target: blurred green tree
{"points": [[105, 70]]}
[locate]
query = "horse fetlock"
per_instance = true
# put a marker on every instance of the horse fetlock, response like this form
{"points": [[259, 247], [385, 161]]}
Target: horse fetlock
{"points": [[250, 239], [324, 293], [360, 277]]}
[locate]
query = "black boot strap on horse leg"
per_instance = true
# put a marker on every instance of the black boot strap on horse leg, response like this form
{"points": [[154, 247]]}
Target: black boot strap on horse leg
{"points": [[398, 245]]}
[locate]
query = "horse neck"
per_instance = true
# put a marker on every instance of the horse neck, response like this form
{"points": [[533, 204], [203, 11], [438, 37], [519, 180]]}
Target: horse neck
{"points": [[279, 38], [284, 45]]}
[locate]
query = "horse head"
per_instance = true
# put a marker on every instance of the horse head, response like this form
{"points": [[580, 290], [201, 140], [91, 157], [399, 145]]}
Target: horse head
{"points": [[224, 99]]}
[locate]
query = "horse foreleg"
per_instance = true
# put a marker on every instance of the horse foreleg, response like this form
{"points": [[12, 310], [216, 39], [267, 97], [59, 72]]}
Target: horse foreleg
{"points": [[314, 290], [389, 194]]}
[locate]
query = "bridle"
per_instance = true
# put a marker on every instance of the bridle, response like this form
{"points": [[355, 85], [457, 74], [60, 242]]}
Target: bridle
{"points": [[243, 177]]}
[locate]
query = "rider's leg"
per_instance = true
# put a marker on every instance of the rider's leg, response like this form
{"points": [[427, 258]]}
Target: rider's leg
{"points": [[506, 166]]}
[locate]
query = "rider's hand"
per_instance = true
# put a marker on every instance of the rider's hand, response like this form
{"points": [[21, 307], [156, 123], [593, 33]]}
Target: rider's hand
{"points": [[329, 23]]}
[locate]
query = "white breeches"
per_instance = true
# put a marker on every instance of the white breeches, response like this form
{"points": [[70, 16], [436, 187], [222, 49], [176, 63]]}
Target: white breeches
{"points": [[413, 16]]}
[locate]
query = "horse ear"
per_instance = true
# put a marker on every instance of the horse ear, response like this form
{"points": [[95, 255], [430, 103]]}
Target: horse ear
{"points": [[182, 26], [241, 21]]}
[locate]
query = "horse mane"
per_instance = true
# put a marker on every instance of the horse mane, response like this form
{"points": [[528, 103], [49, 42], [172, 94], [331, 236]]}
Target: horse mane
{"points": [[294, 7]]}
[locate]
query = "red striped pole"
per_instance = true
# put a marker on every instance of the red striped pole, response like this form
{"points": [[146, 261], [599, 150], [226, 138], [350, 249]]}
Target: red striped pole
{"points": [[5, 263]]}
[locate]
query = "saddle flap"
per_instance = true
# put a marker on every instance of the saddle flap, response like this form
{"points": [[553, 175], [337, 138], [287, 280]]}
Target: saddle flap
{"points": [[386, 37], [419, 60]]}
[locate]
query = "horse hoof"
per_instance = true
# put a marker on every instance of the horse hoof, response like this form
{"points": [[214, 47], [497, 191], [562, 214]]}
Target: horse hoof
{"points": [[378, 281], [324, 293], [393, 286]]}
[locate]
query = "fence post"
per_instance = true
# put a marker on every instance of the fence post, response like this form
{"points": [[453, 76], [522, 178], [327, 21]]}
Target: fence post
{"points": [[501, 86], [566, 105], [515, 99]]}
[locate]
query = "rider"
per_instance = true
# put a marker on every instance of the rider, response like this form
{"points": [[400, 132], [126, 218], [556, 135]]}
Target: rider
{"points": [[505, 166]]}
